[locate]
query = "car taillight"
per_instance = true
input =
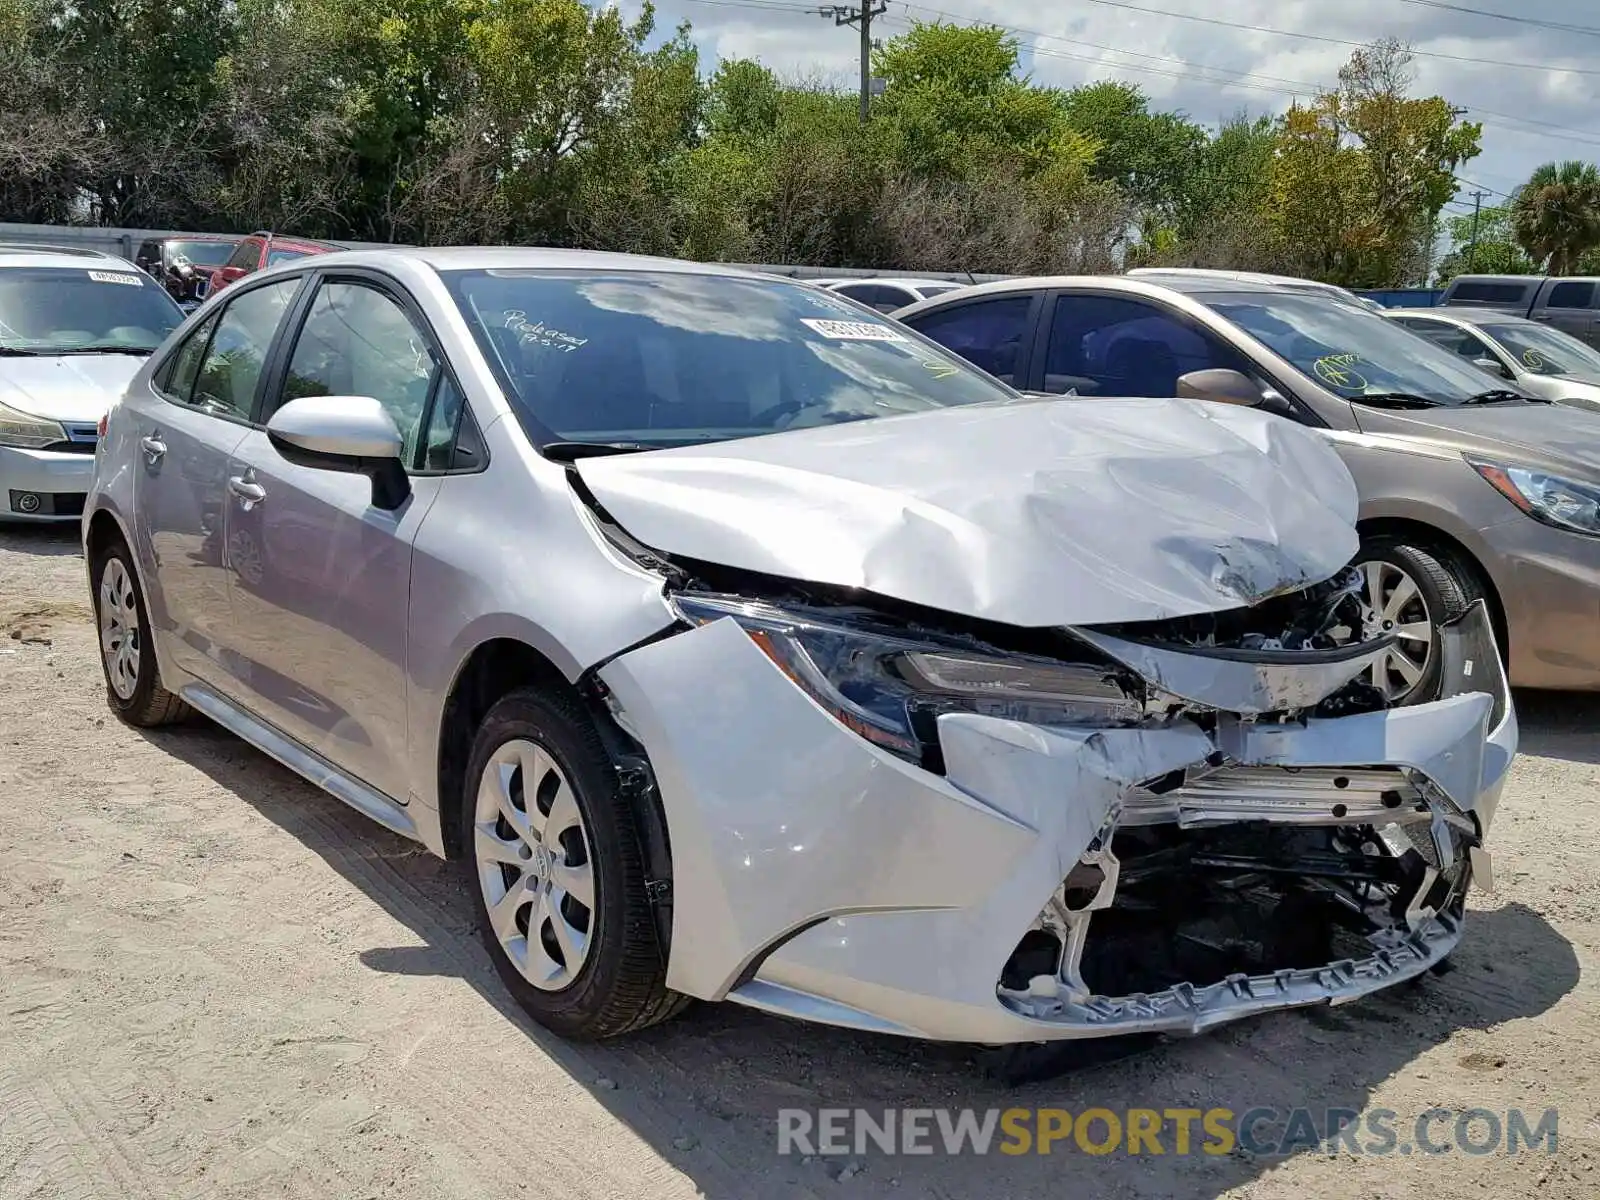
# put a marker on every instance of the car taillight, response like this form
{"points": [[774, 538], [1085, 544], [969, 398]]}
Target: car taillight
{"points": [[100, 429]]}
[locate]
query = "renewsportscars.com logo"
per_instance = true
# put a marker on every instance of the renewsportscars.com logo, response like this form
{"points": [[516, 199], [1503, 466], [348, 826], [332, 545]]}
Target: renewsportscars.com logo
{"points": [[1259, 1132]]}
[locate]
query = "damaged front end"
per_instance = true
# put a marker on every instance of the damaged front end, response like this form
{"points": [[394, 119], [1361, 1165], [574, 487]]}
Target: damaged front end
{"points": [[887, 821], [1306, 860]]}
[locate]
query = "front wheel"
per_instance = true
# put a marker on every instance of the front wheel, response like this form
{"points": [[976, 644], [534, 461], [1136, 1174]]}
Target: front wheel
{"points": [[558, 871], [1409, 591]]}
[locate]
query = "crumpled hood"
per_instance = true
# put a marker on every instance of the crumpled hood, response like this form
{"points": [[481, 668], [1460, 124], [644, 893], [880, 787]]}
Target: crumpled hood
{"points": [[1032, 513], [73, 387]]}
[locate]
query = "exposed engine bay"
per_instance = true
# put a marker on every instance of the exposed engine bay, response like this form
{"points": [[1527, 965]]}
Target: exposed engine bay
{"points": [[1164, 911], [1324, 617]]}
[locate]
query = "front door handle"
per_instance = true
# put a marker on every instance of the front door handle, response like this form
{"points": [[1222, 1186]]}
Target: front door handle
{"points": [[153, 448], [250, 493]]}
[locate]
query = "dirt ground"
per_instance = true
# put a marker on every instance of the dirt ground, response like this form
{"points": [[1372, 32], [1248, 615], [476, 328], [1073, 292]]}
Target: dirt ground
{"points": [[216, 981]]}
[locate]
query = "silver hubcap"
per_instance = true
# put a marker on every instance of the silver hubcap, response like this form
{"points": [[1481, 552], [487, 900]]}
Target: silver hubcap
{"points": [[1391, 602], [119, 629], [534, 864]]}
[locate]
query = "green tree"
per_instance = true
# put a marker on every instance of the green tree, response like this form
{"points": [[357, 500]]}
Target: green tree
{"points": [[1360, 175], [956, 106], [1556, 214], [1152, 157], [1497, 252]]}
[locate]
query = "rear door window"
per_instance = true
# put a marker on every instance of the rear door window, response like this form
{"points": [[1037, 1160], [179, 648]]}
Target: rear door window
{"points": [[231, 369]]}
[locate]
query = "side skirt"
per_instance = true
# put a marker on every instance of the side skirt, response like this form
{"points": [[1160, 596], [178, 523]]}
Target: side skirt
{"points": [[303, 762]]}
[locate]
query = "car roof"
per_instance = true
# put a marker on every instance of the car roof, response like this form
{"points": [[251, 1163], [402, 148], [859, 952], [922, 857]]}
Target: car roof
{"points": [[533, 258], [1464, 316], [1150, 287], [909, 281], [67, 259], [75, 252]]}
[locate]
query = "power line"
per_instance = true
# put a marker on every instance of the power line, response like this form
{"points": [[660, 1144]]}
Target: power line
{"points": [[1318, 37], [1499, 16], [859, 15]]}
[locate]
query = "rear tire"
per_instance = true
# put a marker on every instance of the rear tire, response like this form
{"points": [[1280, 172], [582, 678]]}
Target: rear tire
{"points": [[557, 866], [127, 652], [1409, 584]]}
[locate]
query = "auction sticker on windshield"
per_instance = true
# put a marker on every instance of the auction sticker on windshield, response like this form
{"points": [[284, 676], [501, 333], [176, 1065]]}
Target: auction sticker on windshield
{"points": [[853, 331], [113, 277]]}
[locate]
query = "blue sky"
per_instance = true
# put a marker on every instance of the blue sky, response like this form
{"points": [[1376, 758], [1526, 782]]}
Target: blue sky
{"points": [[1213, 67]]}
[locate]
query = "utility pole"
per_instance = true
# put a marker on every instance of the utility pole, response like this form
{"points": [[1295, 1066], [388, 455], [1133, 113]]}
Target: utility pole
{"points": [[1472, 246], [861, 15]]}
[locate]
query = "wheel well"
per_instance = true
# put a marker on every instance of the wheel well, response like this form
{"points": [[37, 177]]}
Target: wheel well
{"points": [[103, 532], [1417, 533], [492, 670]]}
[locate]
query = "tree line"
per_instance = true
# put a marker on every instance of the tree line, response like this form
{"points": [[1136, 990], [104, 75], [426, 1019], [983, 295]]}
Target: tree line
{"points": [[552, 122]]}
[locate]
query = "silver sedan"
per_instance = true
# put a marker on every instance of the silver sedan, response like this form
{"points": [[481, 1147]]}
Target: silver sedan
{"points": [[1547, 362]]}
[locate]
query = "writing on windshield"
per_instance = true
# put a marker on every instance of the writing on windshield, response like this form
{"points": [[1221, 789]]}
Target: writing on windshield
{"points": [[1350, 351], [1545, 351]]}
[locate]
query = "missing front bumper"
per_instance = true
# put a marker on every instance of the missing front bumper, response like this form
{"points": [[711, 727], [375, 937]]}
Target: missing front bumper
{"points": [[1257, 915]]}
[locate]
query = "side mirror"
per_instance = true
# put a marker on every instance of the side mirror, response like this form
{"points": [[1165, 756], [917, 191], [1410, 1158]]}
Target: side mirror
{"points": [[1494, 367], [229, 274], [1221, 385], [344, 433]]}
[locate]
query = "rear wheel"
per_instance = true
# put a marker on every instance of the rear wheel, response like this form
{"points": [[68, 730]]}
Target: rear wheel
{"points": [[1409, 591], [558, 871], [127, 655]]}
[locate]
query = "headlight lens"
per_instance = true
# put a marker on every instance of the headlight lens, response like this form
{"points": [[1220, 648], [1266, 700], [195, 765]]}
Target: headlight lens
{"points": [[890, 688], [1556, 501], [27, 431]]}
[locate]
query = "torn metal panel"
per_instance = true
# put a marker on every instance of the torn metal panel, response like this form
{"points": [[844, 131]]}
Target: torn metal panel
{"points": [[1470, 661], [1317, 796], [1245, 682], [1033, 514]]}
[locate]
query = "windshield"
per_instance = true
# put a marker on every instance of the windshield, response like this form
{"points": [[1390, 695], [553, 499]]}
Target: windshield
{"points": [[207, 253], [661, 359], [1350, 351], [52, 310], [1545, 351]]}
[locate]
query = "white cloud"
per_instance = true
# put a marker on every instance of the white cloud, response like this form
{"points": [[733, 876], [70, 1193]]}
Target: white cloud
{"points": [[1186, 64]]}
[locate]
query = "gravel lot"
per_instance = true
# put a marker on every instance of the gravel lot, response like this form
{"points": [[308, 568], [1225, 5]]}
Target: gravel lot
{"points": [[216, 981]]}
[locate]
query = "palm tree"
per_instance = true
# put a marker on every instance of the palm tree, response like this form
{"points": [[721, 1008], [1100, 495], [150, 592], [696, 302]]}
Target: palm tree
{"points": [[1556, 214]]}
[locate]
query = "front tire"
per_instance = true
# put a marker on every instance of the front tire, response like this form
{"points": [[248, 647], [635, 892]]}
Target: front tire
{"points": [[127, 652], [557, 866], [1410, 590]]}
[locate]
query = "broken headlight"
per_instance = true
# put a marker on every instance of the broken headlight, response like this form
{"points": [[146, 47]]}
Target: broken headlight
{"points": [[890, 687]]}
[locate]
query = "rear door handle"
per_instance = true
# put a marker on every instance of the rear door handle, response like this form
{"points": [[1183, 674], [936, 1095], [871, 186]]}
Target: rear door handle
{"points": [[248, 492], [153, 447]]}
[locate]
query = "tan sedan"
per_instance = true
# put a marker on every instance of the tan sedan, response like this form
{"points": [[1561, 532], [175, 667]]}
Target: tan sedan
{"points": [[1470, 485]]}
